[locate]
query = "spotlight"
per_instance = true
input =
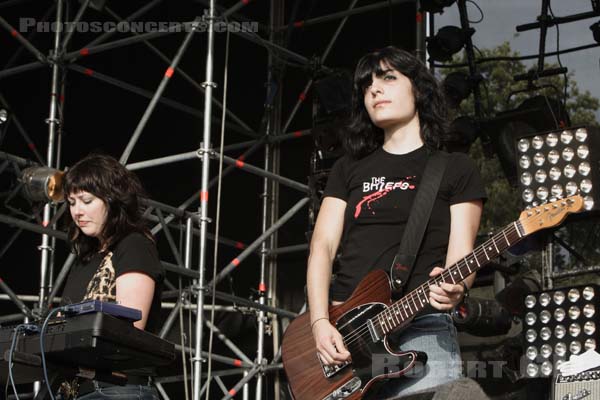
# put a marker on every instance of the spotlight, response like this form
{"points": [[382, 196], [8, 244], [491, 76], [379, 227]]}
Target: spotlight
{"points": [[536, 114], [43, 184], [481, 317], [457, 87], [558, 164], [554, 327], [3, 116], [435, 6], [448, 41], [595, 28], [462, 133]]}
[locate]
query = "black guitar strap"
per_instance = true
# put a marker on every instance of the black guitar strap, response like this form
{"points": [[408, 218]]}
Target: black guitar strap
{"points": [[417, 221]]}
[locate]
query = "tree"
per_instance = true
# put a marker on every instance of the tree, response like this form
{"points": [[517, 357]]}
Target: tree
{"points": [[498, 94]]}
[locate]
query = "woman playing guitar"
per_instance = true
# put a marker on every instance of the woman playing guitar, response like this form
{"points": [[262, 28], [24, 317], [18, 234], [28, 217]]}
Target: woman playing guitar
{"points": [[398, 118]]}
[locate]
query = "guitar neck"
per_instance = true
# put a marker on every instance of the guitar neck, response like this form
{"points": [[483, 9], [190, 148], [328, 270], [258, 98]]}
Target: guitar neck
{"points": [[403, 310]]}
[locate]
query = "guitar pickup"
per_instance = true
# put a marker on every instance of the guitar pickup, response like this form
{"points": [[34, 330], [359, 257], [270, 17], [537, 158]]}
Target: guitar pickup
{"points": [[331, 370], [345, 390]]}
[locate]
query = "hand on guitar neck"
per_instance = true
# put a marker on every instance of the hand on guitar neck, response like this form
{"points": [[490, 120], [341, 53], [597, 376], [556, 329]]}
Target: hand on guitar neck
{"points": [[446, 296]]}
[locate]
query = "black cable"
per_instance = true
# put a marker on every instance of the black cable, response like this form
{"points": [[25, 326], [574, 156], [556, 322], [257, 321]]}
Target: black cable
{"points": [[42, 352], [480, 11], [13, 346], [558, 57]]}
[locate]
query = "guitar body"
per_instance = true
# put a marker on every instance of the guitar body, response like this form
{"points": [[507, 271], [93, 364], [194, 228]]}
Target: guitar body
{"points": [[372, 360], [368, 316]]}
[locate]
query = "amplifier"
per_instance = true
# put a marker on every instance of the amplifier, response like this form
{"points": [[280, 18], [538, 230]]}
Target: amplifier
{"points": [[584, 385]]}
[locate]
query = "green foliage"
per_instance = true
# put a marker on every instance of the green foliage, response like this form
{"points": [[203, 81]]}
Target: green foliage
{"points": [[499, 93]]}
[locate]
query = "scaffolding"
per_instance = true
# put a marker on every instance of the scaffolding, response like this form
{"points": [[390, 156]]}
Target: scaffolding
{"points": [[191, 217]]}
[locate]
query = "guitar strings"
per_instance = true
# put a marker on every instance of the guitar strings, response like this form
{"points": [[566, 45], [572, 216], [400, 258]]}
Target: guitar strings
{"points": [[480, 251]]}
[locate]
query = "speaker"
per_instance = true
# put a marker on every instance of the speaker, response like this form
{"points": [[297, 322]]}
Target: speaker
{"points": [[461, 389]]}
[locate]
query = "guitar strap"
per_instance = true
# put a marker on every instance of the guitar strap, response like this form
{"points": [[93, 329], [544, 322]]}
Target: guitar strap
{"points": [[417, 221]]}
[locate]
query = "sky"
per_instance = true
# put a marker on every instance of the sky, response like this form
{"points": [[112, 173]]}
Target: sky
{"points": [[499, 25]]}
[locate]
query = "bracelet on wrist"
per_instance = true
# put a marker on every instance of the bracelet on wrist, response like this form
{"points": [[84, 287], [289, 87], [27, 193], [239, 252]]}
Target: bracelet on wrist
{"points": [[317, 320]]}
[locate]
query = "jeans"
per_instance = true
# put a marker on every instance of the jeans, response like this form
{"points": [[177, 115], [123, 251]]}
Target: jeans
{"points": [[435, 335], [127, 392]]}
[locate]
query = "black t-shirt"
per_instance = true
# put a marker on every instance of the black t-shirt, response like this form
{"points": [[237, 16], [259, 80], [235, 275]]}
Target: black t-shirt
{"points": [[379, 190], [96, 279]]}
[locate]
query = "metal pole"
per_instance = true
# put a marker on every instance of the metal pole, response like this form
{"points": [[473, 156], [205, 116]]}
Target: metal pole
{"points": [[421, 33], [205, 156], [53, 123], [159, 91]]}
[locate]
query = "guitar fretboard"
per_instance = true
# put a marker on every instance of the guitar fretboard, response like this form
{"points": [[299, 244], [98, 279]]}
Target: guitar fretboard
{"points": [[403, 310]]}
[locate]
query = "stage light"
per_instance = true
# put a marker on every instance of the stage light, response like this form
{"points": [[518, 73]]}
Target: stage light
{"points": [[481, 317], [558, 164], [435, 6], [595, 28], [448, 41], [555, 328], [457, 87], [43, 184], [3, 116]]}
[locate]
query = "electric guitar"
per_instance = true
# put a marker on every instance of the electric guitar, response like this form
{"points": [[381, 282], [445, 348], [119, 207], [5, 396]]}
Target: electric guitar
{"points": [[368, 316]]}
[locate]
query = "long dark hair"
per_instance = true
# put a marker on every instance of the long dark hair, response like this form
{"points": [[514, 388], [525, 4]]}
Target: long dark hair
{"points": [[119, 189], [363, 136]]}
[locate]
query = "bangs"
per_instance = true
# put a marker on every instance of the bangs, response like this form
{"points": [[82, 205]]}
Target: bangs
{"points": [[367, 66], [81, 179]]}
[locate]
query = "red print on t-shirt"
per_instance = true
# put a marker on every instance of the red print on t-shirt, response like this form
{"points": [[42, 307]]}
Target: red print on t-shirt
{"points": [[383, 188]]}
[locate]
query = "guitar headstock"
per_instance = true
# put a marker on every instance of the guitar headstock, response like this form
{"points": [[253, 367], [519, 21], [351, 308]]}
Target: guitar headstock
{"points": [[550, 214]]}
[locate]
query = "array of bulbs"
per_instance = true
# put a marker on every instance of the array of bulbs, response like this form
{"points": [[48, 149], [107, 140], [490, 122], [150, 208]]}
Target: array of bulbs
{"points": [[555, 165], [558, 324]]}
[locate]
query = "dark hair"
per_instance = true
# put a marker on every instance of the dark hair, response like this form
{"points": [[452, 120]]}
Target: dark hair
{"points": [[119, 189], [363, 136]]}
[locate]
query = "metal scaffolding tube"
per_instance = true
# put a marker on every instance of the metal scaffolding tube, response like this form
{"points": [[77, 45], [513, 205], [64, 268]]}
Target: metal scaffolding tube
{"points": [[12, 221], [159, 91], [343, 14], [322, 60], [244, 254], [22, 68], [184, 75], [24, 42], [234, 390], [290, 249], [15, 299], [170, 239], [234, 362], [70, 32], [62, 275], [86, 51], [106, 35], [195, 196], [23, 162], [21, 130], [205, 157], [266, 174], [149, 95], [227, 342]]}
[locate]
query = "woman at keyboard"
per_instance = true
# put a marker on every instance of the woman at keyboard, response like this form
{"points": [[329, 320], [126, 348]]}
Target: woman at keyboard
{"points": [[117, 260]]}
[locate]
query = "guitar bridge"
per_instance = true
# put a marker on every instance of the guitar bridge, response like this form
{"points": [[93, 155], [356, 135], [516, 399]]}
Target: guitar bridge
{"points": [[345, 390], [331, 370]]}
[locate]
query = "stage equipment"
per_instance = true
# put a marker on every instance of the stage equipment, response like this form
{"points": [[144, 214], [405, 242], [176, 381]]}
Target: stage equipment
{"points": [[43, 184], [462, 133], [435, 6], [557, 324], [482, 317], [97, 5], [536, 114], [558, 164], [584, 385], [595, 28], [457, 87], [512, 297], [3, 116], [448, 41]]}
